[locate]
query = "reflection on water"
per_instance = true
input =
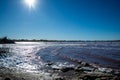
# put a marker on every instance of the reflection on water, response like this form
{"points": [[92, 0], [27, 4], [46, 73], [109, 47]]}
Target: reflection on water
{"points": [[22, 56], [33, 56]]}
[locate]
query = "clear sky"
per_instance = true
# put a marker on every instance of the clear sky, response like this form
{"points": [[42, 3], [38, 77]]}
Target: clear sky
{"points": [[61, 19]]}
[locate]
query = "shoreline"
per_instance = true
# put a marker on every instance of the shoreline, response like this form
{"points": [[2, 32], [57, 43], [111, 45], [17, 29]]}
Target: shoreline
{"points": [[56, 62], [83, 71]]}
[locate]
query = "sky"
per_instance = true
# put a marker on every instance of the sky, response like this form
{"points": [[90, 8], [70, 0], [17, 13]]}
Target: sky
{"points": [[61, 19]]}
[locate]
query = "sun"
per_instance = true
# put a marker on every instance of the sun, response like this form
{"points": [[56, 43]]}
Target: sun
{"points": [[30, 3]]}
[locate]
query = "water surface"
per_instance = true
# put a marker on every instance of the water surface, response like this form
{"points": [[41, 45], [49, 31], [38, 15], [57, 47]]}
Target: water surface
{"points": [[33, 56]]}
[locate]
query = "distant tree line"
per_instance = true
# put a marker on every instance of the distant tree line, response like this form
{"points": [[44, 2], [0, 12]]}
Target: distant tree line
{"points": [[7, 40], [44, 40]]}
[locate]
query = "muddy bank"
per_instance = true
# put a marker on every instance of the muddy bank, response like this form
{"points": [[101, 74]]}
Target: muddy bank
{"points": [[83, 71], [13, 74]]}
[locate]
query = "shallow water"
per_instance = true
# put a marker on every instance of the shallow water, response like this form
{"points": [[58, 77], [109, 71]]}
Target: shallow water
{"points": [[33, 56]]}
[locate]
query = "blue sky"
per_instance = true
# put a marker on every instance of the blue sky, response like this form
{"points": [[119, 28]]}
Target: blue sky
{"points": [[61, 19]]}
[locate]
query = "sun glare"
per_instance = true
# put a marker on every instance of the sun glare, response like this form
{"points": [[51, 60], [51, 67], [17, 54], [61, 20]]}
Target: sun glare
{"points": [[30, 3]]}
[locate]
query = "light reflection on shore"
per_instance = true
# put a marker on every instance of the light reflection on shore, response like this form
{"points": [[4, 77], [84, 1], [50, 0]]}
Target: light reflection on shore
{"points": [[33, 56]]}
